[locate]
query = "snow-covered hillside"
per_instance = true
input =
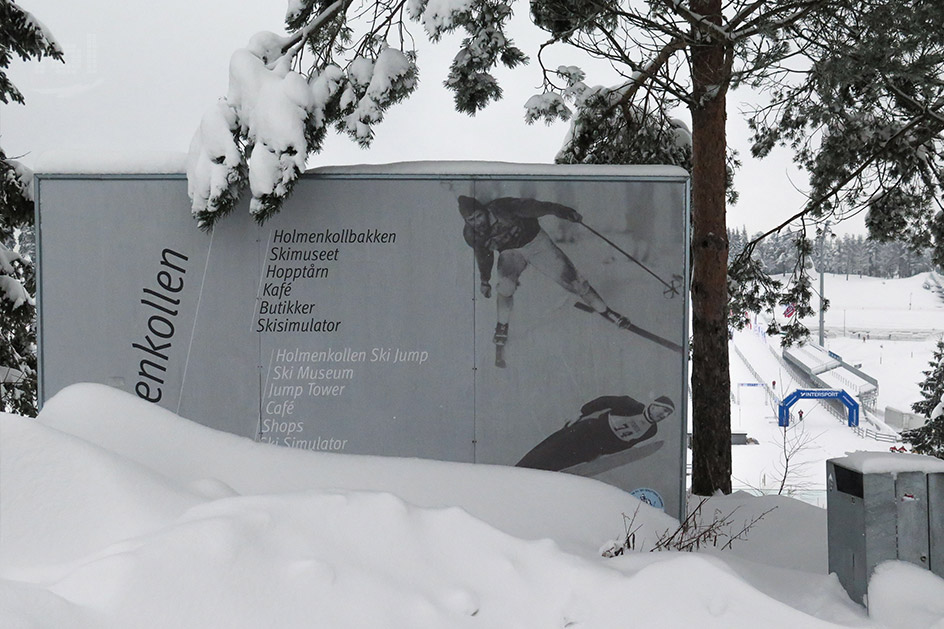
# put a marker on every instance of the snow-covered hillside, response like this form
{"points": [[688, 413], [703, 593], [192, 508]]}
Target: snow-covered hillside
{"points": [[888, 327]]}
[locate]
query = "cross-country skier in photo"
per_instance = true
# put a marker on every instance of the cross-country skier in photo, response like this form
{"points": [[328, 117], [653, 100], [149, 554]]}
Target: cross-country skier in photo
{"points": [[609, 425], [510, 227]]}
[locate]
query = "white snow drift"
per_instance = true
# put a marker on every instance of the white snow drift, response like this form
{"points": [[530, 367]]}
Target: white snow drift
{"points": [[115, 513]]}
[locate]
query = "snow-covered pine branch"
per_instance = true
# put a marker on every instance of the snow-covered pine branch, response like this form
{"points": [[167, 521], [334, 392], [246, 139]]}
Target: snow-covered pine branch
{"points": [[11, 288], [550, 105], [16, 200], [26, 37], [362, 62], [608, 125]]}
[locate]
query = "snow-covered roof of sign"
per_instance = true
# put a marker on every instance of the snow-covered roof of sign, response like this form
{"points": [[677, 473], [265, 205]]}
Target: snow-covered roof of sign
{"points": [[889, 463], [68, 162], [157, 163], [482, 168]]}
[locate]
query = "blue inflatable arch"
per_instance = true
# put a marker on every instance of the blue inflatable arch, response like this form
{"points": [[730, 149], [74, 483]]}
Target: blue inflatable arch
{"points": [[819, 394]]}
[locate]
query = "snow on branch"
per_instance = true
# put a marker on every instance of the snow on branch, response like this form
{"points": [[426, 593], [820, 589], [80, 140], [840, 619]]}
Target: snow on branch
{"points": [[276, 114], [548, 107], [7, 258], [28, 38], [781, 15], [273, 117], [438, 16], [11, 288], [296, 10], [701, 23], [17, 178], [215, 165], [13, 291], [16, 197]]}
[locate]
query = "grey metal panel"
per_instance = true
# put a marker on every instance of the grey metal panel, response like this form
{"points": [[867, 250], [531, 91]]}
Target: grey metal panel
{"points": [[911, 494], [107, 245], [881, 512], [936, 523], [846, 530], [221, 385], [683, 376]]}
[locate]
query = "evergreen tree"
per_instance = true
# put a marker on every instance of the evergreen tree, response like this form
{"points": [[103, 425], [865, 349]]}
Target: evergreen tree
{"points": [[342, 66], [777, 255], [929, 439], [847, 255], [23, 36]]}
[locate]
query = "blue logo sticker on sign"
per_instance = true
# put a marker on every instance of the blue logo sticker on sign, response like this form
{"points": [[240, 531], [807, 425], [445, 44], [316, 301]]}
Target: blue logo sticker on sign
{"points": [[650, 496]]}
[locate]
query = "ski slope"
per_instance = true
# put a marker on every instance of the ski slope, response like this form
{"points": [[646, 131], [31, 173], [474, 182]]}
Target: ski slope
{"points": [[890, 327]]}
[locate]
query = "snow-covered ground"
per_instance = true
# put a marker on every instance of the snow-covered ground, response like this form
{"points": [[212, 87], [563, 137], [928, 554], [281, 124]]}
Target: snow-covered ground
{"points": [[115, 513], [118, 514], [889, 327]]}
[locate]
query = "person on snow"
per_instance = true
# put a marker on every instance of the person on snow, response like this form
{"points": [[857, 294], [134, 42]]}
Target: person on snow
{"points": [[510, 227], [607, 425]]}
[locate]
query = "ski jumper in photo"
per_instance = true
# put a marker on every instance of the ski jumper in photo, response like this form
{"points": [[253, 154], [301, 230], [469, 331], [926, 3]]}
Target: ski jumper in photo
{"points": [[607, 425], [510, 227]]}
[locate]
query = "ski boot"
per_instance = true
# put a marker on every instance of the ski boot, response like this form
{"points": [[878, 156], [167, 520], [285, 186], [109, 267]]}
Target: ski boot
{"points": [[623, 323], [500, 338]]}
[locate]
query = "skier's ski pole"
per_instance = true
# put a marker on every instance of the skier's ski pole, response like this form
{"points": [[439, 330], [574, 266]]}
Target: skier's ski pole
{"points": [[635, 329], [671, 288]]}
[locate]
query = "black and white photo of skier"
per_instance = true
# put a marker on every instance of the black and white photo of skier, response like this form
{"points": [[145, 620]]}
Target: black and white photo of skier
{"points": [[607, 425], [628, 243], [509, 226]]}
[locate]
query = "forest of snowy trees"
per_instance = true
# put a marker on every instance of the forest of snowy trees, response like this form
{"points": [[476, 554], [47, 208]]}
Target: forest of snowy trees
{"points": [[839, 254]]}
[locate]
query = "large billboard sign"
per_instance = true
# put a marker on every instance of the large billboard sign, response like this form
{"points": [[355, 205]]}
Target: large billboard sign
{"points": [[492, 313]]}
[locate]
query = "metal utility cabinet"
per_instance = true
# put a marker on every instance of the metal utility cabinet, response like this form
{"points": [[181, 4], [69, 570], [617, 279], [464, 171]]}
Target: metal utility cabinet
{"points": [[882, 507]]}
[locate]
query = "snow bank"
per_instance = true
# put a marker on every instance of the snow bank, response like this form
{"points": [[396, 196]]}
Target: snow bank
{"points": [[524, 503], [905, 595], [49, 478], [764, 520], [118, 514]]}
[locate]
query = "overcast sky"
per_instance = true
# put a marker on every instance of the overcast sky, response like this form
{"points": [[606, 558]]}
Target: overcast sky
{"points": [[140, 74]]}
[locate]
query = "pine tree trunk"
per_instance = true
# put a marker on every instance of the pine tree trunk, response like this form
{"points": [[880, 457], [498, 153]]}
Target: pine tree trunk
{"points": [[711, 380]]}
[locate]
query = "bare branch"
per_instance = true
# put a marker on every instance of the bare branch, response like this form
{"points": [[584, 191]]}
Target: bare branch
{"points": [[932, 111], [747, 527], [698, 21], [743, 14], [649, 71], [794, 12]]}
